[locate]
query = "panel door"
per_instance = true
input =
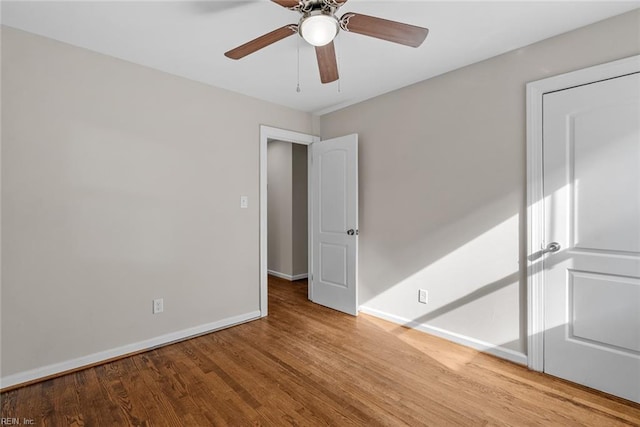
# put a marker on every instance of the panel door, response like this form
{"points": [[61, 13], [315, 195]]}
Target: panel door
{"points": [[591, 151], [334, 169]]}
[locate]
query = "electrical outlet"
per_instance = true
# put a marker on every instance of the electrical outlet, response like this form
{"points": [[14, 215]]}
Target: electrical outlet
{"points": [[423, 296], [158, 305]]}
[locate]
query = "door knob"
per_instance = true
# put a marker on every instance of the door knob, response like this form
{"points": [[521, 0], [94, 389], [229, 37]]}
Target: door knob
{"points": [[551, 248], [351, 232]]}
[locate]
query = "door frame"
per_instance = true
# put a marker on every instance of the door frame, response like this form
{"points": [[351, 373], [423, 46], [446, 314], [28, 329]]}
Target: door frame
{"points": [[535, 190], [268, 133]]}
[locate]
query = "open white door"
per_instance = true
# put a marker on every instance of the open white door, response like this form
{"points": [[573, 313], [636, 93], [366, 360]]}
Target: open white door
{"points": [[334, 223], [591, 146]]}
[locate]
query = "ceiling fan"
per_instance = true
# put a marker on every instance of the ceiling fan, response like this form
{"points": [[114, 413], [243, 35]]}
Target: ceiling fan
{"points": [[319, 26]]}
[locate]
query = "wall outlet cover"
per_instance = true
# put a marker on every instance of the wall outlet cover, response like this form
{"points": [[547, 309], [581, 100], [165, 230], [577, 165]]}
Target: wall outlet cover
{"points": [[158, 305], [422, 296]]}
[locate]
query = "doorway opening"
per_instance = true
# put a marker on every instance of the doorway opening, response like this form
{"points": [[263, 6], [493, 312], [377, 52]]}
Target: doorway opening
{"points": [[283, 141], [287, 206]]}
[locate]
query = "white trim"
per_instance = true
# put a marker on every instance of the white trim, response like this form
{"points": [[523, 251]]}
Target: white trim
{"points": [[485, 347], [80, 362], [275, 134], [310, 221], [535, 194], [288, 276], [535, 230]]}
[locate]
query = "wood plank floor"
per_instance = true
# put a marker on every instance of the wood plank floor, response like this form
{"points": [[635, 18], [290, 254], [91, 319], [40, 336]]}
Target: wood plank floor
{"points": [[307, 365]]}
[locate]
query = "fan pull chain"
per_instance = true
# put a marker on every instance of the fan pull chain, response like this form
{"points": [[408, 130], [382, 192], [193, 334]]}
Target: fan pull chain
{"points": [[298, 87], [338, 62]]}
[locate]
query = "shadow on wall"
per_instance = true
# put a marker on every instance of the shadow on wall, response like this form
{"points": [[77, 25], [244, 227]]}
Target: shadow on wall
{"points": [[443, 209], [470, 297], [470, 255], [470, 269]]}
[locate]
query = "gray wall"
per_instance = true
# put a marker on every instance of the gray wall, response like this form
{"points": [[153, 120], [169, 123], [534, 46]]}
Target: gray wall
{"points": [[442, 185], [279, 208], [121, 184], [299, 209], [287, 208]]}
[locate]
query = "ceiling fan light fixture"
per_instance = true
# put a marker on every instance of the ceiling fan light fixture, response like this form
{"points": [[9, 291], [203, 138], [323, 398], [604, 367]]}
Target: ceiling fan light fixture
{"points": [[318, 28]]}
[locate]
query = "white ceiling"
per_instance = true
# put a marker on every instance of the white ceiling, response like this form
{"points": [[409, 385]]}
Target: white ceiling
{"points": [[188, 39]]}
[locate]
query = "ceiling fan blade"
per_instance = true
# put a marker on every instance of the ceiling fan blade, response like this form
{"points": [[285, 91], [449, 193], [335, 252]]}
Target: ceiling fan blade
{"points": [[327, 63], [397, 32], [262, 41], [289, 4]]}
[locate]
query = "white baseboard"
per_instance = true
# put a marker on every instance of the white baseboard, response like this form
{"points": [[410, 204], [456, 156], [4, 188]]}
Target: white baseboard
{"points": [[502, 352], [287, 276], [69, 365]]}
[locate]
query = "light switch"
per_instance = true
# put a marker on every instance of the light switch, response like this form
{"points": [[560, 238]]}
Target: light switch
{"points": [[244, 202]]}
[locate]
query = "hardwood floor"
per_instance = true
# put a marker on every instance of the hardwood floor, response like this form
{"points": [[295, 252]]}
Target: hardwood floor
{"points": [[308, 365]]}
